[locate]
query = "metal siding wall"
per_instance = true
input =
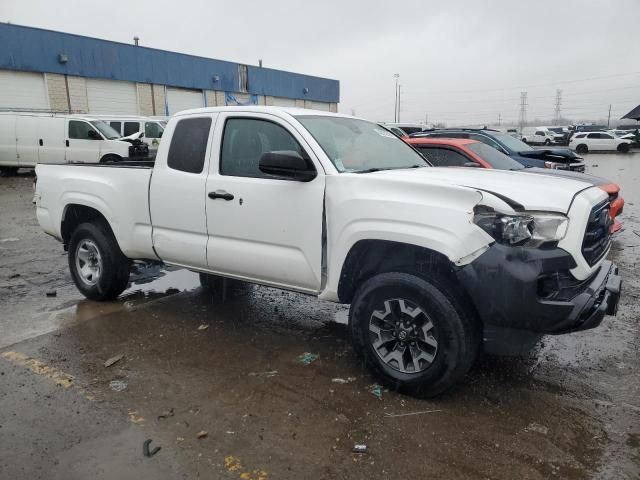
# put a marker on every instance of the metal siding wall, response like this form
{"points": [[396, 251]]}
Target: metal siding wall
{"points": [[32, 49]]}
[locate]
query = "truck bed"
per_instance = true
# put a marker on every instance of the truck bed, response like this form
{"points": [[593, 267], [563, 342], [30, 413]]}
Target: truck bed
{"points": [[120, 191]]}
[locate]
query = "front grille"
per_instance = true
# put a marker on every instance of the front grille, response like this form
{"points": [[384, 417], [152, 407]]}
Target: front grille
{"points": [[596, 236]]}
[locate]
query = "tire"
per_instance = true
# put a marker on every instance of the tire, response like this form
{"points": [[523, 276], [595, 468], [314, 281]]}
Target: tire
{"points": [[623, 148], [524, 140], [97, 265], [547, 142], [111, 158], [582, 148], [447, 349]]}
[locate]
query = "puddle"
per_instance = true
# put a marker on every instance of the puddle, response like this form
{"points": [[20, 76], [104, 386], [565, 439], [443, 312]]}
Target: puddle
{"points": [[155, 280]]}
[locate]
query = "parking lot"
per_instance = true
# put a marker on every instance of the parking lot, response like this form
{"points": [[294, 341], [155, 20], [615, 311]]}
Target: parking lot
{"points": [[265, 384]]}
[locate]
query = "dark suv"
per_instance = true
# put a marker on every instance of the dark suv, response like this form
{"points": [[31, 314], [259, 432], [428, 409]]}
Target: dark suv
{"points": [[557, 158]]}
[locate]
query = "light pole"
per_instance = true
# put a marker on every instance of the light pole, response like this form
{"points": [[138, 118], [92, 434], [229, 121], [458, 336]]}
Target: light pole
{"points": [[395, 107]]}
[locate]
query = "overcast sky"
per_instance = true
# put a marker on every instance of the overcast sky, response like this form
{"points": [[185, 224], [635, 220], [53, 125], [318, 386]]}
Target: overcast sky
{"points": [[460, 62]]}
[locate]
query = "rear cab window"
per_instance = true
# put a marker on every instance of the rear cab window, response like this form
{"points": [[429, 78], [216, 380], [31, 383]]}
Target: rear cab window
{"points": [[189, 144]]}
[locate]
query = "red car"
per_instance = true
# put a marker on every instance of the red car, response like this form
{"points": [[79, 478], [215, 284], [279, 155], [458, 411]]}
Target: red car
{"points": [[463, 152]]}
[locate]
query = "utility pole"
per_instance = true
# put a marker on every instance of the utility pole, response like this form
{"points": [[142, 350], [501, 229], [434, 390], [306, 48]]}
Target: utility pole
{"points": [[395, 107], [523, 110], [499, 119], [399, 101], [558, 115], [426, 119], [609, 117]]}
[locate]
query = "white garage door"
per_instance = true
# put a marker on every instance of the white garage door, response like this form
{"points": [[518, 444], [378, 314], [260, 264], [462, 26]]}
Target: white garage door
{"points": [[321, 106], [284, 102], [23, 90], [112, 97], [179, 99]]}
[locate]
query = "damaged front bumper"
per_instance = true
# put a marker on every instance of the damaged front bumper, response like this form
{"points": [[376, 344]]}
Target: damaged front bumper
{"points": [[521, 294]]}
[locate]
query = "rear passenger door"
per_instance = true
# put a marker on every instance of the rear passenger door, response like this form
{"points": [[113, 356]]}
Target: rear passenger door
{"points": [[177, 194], [267, 230]]}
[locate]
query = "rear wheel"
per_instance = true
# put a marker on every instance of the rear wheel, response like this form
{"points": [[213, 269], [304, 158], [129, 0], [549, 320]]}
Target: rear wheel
{"points": [[98, 267], [524, 139], [417, 336], [623, 148], [111, 158], [582, 148], [547, 142]]}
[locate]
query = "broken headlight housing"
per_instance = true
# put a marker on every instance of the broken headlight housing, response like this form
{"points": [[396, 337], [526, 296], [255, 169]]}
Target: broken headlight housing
{"points": [[531, 229]]}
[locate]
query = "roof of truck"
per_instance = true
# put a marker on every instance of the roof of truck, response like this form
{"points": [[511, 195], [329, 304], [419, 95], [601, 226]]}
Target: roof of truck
{"points": [[264, 109]]}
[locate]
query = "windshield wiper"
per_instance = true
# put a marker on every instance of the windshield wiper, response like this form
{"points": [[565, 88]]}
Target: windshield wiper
{"points": [[379, 169]]}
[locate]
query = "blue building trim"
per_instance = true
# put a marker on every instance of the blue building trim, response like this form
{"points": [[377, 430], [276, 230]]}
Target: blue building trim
{"points": [[38, 50]]}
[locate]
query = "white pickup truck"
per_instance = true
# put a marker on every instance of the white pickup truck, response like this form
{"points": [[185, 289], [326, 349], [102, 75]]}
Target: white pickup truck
{"points": [[436, 263]]}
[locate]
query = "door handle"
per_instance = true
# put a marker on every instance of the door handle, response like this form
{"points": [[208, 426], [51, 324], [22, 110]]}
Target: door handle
{"points": [[41, 142], [221, 194], [67, 143]]}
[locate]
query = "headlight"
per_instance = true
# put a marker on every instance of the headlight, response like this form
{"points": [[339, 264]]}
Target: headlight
{"points": [[531, 229]]}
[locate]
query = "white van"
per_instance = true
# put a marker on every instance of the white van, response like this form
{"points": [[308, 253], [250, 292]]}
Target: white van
{"points": [[152, 129], [30, 138]]}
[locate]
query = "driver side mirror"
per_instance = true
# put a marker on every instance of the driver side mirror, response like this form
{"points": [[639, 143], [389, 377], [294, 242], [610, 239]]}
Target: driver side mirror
{"points": [[287, 165], [93, 135]]}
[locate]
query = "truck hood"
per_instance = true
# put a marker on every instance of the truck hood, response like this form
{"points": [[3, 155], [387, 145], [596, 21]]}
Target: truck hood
{"points": [[533, 192]]}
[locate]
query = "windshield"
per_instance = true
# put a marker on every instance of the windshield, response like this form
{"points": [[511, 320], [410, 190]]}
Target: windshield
{"points": [[106, 130], [358, 146], [493, 157], [511, 143], [153, 130], [557, 129]]}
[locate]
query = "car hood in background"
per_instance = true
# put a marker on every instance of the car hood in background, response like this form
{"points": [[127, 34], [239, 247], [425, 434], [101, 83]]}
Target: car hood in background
{"points": [[552, 154]]}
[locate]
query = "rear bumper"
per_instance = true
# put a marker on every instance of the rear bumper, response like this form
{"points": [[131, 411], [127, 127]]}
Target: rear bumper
{"points": [[531, 292]]}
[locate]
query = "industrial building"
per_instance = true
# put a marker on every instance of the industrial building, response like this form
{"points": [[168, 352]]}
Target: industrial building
{"points": [[54, 71]]}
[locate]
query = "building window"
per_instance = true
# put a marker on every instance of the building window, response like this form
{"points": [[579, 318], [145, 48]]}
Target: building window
{"points": [[243, 80]]}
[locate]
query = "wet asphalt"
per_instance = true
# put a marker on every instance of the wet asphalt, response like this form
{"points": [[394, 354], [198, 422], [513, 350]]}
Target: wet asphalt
{"points": [[222, 389]]}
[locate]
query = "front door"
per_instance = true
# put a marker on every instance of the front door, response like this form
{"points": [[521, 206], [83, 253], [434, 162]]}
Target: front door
{"points": [[178, 196], [260, 228], [83, 146]]}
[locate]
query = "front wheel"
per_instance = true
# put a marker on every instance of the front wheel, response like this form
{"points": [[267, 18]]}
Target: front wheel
{"points": [[98, 267], [524, 140], [417, 336], [623, 148], [547, 142]]}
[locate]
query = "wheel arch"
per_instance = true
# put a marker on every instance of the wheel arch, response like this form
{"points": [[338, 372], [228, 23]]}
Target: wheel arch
{"points": [[75, 214], [367, 258]]}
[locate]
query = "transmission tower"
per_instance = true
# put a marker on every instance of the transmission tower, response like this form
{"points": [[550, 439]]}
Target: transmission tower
{"points": [[522, 120], [558, 115]]}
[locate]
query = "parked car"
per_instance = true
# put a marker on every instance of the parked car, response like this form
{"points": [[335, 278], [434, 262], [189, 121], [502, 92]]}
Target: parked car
{"points": [[407, 128], [334, 206], [458, 152], [584, 142], [537, 136], [556, 158], [513, 132], [30, 138], [151, 129]]}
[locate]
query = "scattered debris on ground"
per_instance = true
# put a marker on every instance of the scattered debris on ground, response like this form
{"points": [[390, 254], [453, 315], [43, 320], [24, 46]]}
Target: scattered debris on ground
{"points": [[359, 448], [145, 449], [166, 414], [113, 360], [343, 380], [117, 385], [269, 374], [202, 434], [306, 358], [204, 326], [536, 427], [408, 414], [341, 417], [376, 390]]}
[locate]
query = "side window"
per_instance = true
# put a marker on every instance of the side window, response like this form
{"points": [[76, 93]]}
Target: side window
{"points": [[189, 144], [486, 140], [117, 126], [593, 135], [246, 139], [130, 128], [606, 135], [540, 132], [443, 157], [152, 130], [79, 130]]}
